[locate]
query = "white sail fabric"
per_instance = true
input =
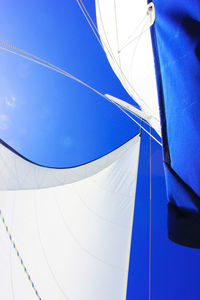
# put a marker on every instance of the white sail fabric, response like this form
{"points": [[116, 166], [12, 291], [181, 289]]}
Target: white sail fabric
{"points": [[123, 26], [74, 237]]}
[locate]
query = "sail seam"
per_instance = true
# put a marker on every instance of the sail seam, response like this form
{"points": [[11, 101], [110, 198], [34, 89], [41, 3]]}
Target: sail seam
{"points": [[45, 255], [117, 267]]}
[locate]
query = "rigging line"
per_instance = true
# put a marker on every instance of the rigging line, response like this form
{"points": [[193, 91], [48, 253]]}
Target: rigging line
{"points": [[27, 53], [150, 214], [19, 256], [63, 72], [96, 29], [52, 67], [93, 24], [130, 70], [141, 119], [117, 33], [40, 61], [135, 38], [131, 112], [10, 255], [86, 11], [55, 68], [69, 75], [140, 125], [135, 30], [86, 14]]}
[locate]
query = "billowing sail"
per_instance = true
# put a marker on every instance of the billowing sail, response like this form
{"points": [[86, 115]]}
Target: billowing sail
{"points": [[66, 233], [124, 30], [175, 37]]}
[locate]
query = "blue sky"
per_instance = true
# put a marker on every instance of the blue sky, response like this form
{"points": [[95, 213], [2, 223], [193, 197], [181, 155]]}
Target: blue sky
{"points": [[56, 122]]}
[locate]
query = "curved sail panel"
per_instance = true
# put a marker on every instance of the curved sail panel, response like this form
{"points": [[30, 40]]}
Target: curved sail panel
{"points": [[18, 173], [75, 238], [124, 30]]}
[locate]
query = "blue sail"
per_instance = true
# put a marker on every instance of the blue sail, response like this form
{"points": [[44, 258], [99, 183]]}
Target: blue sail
{"points": [[176, 46]]}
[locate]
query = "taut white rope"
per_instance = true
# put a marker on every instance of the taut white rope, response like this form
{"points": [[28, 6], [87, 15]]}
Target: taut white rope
{"points": [[46, 64]]}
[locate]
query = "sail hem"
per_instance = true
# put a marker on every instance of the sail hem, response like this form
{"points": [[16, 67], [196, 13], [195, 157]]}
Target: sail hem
{"points": [[61, 168]]}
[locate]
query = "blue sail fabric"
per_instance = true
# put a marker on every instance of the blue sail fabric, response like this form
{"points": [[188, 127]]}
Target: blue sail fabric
{"points": [[176, 46]]}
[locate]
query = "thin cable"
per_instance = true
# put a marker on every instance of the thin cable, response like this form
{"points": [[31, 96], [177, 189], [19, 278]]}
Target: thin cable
{"points": [[93, 24], [10, 255], [135, 38], [86, 14], [133, 113], [135, 30], [86, 11], [94, 28], [140, 125], [19, 256], [48, 65], [130, 70], [150, 206], [53, 67]]}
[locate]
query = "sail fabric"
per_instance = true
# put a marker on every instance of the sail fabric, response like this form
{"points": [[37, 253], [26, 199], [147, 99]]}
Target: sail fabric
{"points": [[17, 172], [72, 227], [123, 26], [175, 37]]}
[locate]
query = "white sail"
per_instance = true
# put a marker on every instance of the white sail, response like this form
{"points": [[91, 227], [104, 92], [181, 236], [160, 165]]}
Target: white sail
{"points": [[72, 227], [123, 26]]}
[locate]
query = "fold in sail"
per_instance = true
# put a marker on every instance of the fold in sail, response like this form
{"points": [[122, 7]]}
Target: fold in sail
{"points": [[175, 37], [72, 227], [124, 31]]}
